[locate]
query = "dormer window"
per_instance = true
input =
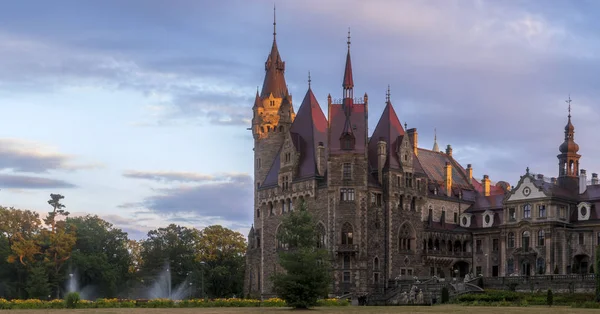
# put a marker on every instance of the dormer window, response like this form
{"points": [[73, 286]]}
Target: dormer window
{"points": [[347, 141]]}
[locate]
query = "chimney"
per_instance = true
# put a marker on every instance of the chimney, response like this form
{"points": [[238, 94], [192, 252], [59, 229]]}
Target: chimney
{"points": [[486, 185], [413, 136], [540, 177], [582, 181], [594, 178], [381, 158], [470, 172], [321, 159], [553, 180], [449, 150], [448, 178]]}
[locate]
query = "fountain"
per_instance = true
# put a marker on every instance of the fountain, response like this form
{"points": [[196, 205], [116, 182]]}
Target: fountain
{"points": [[163, 288], [85, 293]]}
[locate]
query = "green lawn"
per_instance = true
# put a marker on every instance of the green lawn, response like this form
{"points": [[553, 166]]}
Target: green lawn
{"points": [[334, 310]]}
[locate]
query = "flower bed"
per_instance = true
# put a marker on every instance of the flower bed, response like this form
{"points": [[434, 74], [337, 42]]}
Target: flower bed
{"points": [[156, 303]]}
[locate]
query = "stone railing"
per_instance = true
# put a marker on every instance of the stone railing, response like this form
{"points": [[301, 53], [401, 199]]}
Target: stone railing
{"points": [[346, 248]]}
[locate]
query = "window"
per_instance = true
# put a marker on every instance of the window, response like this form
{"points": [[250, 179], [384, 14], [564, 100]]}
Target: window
{"points": [[495, 245], [347, 171], [408, 179], [320, 236], [478, 245], [525, 241], [290, 205], [376, 278], [398, 181], [562, 212], [542, 211], [258, 213], [581, 238], [478, 270], [346, 195], [378, 198], [540, 266], [257, 242], [401, 202], [413, 203], [541, 238], [487, 219], [598, 236], [443, 214], [405, 238], [455, 217], [347, 234], [511, 239], [283, 206], [527, 211], [510, 266], [512, 216], [346, 264], [376, 263], [346, 276], [271, 212]]}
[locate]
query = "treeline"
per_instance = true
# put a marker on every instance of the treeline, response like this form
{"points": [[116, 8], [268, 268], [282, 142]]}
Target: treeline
{"points": [[39, 257]]}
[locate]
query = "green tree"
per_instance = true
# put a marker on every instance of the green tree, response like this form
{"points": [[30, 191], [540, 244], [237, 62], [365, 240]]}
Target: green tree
{"points": [[100, 255], [306, 277], [222, 251], [37, 283]]}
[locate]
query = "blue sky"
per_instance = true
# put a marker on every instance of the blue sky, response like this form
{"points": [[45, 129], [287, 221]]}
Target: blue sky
{"points": [[137, 110]]}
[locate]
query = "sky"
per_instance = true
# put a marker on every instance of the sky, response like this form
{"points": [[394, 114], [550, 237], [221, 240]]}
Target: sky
{"points": [[137, 111]]}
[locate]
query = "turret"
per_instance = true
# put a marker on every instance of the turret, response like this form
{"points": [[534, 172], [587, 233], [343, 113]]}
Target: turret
{"points": [[381, 158], [568, 159]]}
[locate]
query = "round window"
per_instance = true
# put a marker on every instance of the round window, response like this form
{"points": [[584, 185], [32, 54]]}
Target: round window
{"points": [[464, 221], [583, 211], [487, 219]]}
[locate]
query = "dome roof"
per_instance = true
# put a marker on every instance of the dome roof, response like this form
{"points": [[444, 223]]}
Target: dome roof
{"points": [[569, 127], [568, 147]]}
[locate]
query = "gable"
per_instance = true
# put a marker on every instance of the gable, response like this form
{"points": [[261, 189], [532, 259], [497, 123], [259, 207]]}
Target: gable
{"points": [[525, 190]]}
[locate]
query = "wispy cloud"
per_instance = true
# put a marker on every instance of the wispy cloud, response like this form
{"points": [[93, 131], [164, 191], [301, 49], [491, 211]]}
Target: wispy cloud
{"points": [[29, 182]]}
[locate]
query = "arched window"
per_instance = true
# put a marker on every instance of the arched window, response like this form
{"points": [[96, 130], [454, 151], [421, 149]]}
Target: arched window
{"points": [[541, 237], [347, 234], [540, 266], [525, 240], [401, 202], [413, 204], [511, 239], [320, 236], [527, 211], [406, 238], [510, 266], [376, 264]]}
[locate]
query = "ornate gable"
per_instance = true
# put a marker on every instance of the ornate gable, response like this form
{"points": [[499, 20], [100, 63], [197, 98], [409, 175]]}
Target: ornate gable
{"points": [[405, 153], [525, 189]]}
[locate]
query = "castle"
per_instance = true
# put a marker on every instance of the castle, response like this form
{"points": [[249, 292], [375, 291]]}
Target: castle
{"points": [[388, 209]]}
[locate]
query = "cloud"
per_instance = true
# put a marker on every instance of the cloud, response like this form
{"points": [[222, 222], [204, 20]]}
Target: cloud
{"points": [[225, 196], [24, 156], [28, 182]]}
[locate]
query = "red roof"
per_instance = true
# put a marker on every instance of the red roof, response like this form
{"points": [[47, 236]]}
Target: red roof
{"points": [[274, 82], [434, 166], [388, 129], [337, 121], [348, 81]]}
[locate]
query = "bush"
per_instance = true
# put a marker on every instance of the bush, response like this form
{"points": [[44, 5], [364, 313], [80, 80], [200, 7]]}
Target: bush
{"points": [[72, 299], [445, 295], [549, 297]]}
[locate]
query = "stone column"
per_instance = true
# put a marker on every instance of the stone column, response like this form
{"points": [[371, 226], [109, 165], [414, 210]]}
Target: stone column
{"points": [[564, 253], [548, 245], [502, 258]]}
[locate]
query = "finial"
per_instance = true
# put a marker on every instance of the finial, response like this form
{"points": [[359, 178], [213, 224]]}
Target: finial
{"points": [[568, 101], [274, 22], [348, 38], [435, 134], [387, 95], [527, 170], [405, 125], [308, 79]]}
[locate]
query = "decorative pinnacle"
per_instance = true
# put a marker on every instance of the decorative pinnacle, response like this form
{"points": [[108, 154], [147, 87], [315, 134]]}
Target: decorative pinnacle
{"points": [[348, 38], [568, 101], [387, 95], [527, 170], [308, 79], [274, 22], [434, 134], [405, 125]]}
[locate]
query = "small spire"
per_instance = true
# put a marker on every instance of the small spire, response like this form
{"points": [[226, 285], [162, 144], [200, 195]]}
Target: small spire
{"points": [[405, 125], [387, 95], [348, 39], [274, 22], [309, 79], [435, 134], [568, 101], [436, 148], [527, 170]]}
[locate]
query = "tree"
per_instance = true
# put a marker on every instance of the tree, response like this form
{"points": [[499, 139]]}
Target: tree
{"points": [[222, 251], [549, 297], [37, 283], [306, 277]]}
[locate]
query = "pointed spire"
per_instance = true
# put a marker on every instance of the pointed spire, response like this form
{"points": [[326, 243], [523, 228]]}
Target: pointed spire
{"points": [[348, 83], [436, 148], [387, 95], [308, 79], [405, 126], [274, 23]]}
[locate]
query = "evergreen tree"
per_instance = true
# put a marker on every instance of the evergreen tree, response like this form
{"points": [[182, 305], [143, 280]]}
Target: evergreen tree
{"points": [[306, 277], [37, 283]]}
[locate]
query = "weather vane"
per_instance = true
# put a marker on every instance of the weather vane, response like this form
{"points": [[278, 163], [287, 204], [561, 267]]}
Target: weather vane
{"points": [[308, 79], [568, 101]]}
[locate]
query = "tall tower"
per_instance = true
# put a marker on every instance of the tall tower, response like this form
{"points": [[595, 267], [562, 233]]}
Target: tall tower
{"points": [[273, 113], [568, 159]]}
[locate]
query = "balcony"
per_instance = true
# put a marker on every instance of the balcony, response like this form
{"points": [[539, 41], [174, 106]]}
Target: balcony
{"points": [[346, 248]]}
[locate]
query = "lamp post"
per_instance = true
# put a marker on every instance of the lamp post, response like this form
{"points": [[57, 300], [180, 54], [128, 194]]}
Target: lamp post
{"points": [[202, 274]]}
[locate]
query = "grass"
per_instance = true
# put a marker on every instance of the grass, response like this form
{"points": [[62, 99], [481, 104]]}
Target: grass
{"points": [[334, 310]]}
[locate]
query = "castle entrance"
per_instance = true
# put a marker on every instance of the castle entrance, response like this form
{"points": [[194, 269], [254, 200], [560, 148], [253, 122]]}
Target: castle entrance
{"points": [[525, 268], [460, 269], [581, 264]]}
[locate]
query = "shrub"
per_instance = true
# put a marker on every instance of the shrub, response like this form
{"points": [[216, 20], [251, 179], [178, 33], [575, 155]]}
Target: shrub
{"points": [[72, 299], [445, 295], [549, 297]]}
